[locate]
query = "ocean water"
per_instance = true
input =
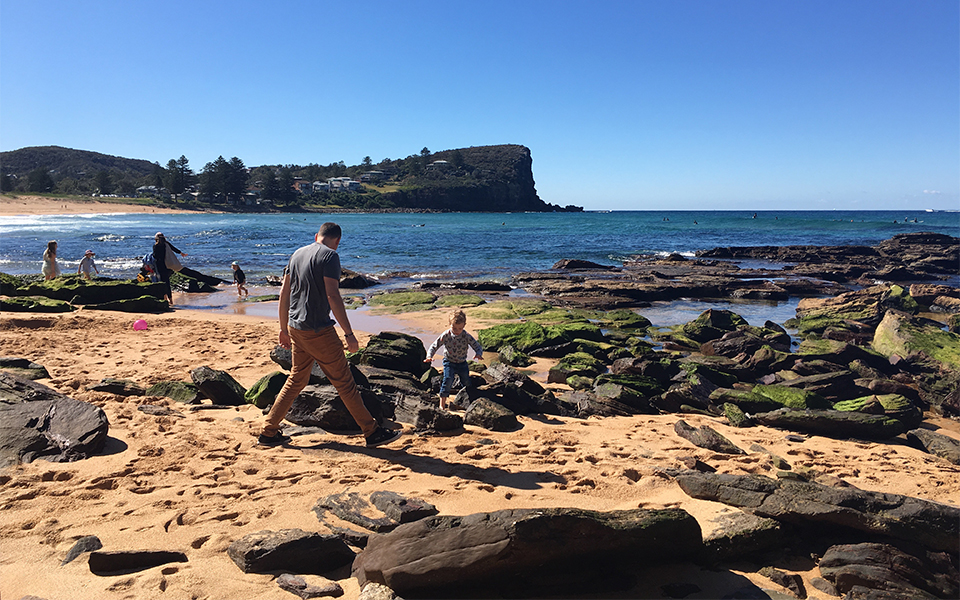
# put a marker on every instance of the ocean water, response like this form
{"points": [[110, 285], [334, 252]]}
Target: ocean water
{"points": [[400, 248]]}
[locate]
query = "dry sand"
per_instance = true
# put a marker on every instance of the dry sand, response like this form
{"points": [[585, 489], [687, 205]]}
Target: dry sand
{"points": [[197, 482], [40, 205]]}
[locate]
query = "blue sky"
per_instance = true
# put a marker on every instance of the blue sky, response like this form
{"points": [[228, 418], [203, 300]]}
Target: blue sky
{"points": [[686, 104]]}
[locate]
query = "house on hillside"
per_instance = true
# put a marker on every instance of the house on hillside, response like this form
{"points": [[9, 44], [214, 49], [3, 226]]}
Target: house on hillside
{"points": [[371, 176]]}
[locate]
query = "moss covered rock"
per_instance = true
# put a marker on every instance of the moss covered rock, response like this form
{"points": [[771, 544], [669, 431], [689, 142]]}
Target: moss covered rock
{"points": [[623, 318], [712, 324], [35, 304], [262, 393], [576, 363], [516, 308], [143, 304], [93, 291], [524, 336], [900, 334], [403, 302], [180, 391], [796, 399]]}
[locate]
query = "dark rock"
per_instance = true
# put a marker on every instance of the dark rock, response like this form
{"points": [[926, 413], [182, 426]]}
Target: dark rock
{"points": [[511, 356], [395, 351], [694, 463], [922, 574], [180, 391], [833, 423], [283, 357], [519, 552], [289, 550], [584, 265], [402, 509], [143, 304], [299, 586], [262, 393], [388, 381], [501, 373], [87, 543], [705, 437], [740, 535], [356, 281], [218, 386], [424, 414], [22, 367], [15, 389], [735, 416], [679, 590], [832, 387], [812, 505], [824, 586], [131, 561], [354, 508], [321, 406], [791, 581], [61, 430], [584, 403], [120, 387], [937, 444], [490, 415]]}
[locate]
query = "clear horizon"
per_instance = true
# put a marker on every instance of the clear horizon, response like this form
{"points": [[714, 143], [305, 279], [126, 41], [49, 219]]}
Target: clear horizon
{"points": [[688, 105]]}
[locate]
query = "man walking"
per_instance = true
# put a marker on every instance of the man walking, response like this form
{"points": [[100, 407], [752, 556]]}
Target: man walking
{"points": [[310, 290]]}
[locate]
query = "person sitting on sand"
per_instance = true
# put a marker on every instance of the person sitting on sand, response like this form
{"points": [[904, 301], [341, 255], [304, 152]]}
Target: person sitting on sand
{"points": [[87, 264], [455, 342], [310, 290], [50, 268], [239, 278]]}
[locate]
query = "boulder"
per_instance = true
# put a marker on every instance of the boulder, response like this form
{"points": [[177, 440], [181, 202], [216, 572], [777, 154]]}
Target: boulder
{"points": [[490, 415], [509, 355], [833, 423], [884, 567], [89, 291], [903, 335], [425, 414], [87, 543], [812, 505], [395, 351], [291, 551], [141, 304], [262, 393], [705, 437], [740, 535], [58, 430], [23, 367], [523, 551], [283, 357], [384, 510], [937, 444], [218, 386], [180, 391], [321, 406], [15, 389], [299, 586], [712, 324]]}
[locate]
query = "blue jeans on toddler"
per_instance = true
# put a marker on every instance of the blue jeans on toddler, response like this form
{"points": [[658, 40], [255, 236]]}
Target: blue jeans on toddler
{"points": [[450, 369]]}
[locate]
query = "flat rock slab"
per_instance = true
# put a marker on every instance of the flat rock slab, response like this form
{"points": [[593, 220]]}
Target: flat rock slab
{"points": [[887, 568], [705, 437], [131, 561], [23, 367], [930, 524], [120, 387], [299, 586], [519, 551], [833, 423], [290, 550], [14, 389]]}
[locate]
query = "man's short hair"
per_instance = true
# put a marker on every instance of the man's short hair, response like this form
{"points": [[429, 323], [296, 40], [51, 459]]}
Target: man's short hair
{"points": [[331, 230]]}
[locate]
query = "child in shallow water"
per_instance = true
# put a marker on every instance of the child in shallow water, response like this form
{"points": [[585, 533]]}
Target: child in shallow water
{"points": [[455, 341], [240, 279], [50, 267]]}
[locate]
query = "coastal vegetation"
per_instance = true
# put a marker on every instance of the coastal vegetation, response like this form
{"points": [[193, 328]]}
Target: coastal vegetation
{"points": [[497, 178]]}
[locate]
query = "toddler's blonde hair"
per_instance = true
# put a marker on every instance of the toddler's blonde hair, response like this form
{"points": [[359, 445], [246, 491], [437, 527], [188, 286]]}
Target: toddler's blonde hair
{"points": [[458, 316]]}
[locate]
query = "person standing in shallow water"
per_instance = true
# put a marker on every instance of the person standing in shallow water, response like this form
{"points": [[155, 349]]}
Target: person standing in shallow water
{"points": [[160, 244], [50, 267], [310, 291]]}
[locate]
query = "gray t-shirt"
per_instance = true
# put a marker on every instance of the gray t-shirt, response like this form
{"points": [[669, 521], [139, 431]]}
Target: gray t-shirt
{"points": [[309, 307]]}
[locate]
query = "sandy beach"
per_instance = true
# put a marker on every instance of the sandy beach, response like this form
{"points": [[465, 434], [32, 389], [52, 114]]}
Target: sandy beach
{"points": [[196, 481], [40, 205]]}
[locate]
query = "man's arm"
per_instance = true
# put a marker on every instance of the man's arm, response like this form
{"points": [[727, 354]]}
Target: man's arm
{"points": [[284, 312], [332, 286]]}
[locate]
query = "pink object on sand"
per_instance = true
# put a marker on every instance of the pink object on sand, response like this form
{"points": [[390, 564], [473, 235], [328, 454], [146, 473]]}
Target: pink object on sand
{"points": [[139, 325]]}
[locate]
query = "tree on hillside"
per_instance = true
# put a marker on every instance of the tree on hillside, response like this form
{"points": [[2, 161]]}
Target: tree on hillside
{"points": [[286, 194], [235, 180], [104, 183], [367, 162], [6, 183], [179, 176], [425, 153], [213, 179], [156, 178], [39, 180], [457, 159], [271, 187]]}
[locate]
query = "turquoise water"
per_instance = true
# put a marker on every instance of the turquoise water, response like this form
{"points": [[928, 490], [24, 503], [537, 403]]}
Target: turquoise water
{"points": [[401, 248]]}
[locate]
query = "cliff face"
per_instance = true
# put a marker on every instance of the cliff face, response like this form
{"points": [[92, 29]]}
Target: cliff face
{"points": [[483, 178]]}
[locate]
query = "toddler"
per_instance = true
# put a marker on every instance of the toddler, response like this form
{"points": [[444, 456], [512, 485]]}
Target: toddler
{"points": [[455, 341], [240, 279], [87, 264]]}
